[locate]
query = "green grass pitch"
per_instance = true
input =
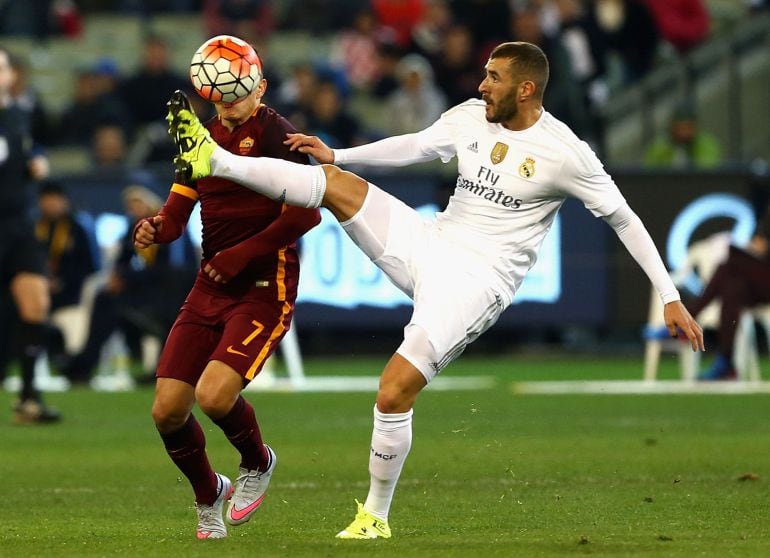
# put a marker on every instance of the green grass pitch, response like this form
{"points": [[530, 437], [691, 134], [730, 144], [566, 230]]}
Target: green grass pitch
{"points": [[490, 473]]}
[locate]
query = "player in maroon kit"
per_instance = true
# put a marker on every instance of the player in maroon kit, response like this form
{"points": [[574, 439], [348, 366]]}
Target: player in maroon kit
{"points": [[233, 319]]}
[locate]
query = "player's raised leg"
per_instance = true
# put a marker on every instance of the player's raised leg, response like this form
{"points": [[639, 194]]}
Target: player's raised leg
{"points": [[299, 185]]}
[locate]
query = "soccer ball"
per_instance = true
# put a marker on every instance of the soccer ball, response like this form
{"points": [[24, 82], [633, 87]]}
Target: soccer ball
{"points": [[225, 69]]}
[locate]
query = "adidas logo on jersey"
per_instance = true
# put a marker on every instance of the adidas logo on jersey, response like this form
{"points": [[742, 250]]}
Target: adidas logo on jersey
{"points": [[474, 147]]}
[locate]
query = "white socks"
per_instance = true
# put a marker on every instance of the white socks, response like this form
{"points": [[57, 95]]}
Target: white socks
{"points": [[391, 440], [295, 184]]}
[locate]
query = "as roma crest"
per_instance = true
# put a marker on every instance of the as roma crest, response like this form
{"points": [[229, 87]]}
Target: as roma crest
{"points": [[245, 146], [527, 168], [499, 151]]}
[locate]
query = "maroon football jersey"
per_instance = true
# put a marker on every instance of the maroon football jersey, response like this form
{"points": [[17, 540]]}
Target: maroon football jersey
{"points": [[231, 213]]}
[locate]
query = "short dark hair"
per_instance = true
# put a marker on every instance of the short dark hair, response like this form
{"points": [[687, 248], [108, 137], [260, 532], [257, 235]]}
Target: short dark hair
{"points": [[52, 188], [528, 60]]}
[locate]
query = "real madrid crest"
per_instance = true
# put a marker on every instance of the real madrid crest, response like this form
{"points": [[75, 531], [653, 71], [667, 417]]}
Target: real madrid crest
{"points": [[246, 144], [499, 151], [527, 168]]}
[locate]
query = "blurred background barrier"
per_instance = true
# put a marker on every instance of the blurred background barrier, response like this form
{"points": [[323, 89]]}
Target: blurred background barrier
{"points": [[584, 277]]}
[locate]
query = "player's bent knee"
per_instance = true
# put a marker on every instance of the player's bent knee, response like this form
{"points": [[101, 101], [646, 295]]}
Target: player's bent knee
{"points": [[393, 400], [168, 418], [419, 351], [218, 389], [215, 404], [345, 192]]}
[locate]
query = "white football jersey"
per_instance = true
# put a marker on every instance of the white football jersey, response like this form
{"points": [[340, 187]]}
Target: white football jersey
{"points": [[510, 184]]}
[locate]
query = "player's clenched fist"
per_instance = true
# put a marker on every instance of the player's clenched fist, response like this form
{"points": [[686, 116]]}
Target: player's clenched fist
{"points": [[145, 231]]}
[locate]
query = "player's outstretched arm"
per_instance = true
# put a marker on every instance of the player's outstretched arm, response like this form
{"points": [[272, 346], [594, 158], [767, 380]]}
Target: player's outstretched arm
{"points": [[677, 319], [310, 145], [639, 244]]}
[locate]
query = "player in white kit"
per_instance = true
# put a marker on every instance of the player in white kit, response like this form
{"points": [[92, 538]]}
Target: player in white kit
{"points": [[517, 164]]}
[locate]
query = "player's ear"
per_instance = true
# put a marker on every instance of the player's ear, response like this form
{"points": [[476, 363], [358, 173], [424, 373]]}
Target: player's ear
{"points": [[262, 87], [527, 90]]}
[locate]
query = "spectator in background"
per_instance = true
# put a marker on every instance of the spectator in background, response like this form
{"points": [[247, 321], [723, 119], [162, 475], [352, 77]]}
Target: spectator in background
{"points": [[564, 97], [355, 50], [150, 7], [65, 18], [28, 100], [683, 23], [145, 92], [428, 35], [111, 160], [417, 103], [95, 102], [143, 292], [587, 53], [401, 16], [317, 17], [25, 18], [72, 255], [456, 65], [40, 18], [740, 283], [248, 19], [388, 56], [488, 20], [626, 27], [297, 94], [685, 146], [329, 119], [757, 5], [109, 148]]}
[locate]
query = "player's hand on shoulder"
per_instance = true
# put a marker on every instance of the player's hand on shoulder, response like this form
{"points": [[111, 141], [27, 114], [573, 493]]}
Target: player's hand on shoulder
{"points": [[145, 231], [310, 145], [678, 319]]}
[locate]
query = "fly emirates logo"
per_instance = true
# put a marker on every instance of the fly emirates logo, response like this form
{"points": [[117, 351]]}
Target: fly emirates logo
{"points": [[484, 187]]}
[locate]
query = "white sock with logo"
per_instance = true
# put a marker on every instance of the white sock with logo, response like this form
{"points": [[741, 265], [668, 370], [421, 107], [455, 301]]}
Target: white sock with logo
{"points": [[391, 441], [300, 185]]}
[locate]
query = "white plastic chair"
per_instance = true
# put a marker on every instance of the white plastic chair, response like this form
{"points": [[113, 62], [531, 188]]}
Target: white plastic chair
{"points": [[703, 258]]}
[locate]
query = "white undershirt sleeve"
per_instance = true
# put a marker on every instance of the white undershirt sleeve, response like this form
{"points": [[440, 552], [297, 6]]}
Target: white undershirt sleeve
{"points": [[637, 240], [399, 151]]}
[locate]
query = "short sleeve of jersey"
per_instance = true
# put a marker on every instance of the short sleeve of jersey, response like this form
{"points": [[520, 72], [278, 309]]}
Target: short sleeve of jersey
{"points": [[273, 137], [440, 137], [583, 177]]}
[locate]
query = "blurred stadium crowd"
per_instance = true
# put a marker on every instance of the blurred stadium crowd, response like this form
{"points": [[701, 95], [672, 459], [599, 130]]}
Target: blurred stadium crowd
{"points": [[386, 67], [392, 65]]}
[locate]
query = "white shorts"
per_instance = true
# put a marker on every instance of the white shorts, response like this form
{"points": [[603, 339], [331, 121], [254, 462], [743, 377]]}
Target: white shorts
{"points": [[455, 299]]}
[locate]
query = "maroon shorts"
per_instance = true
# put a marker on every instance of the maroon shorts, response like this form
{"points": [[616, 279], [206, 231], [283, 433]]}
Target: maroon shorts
{"points": [[241, 332]]}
